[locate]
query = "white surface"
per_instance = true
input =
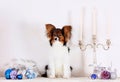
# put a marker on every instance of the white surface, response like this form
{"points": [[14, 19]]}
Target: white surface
{"points": [[78, 79], [22, 31]]}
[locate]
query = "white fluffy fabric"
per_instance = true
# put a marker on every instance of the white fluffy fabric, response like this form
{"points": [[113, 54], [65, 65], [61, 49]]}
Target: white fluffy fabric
{"points": [[59, 61]]}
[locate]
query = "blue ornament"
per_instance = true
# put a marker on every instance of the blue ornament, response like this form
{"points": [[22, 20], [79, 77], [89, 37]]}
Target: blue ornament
{"points": [[13, 74], [19, 76], [94, 76], [7, 73], [30, 74]]}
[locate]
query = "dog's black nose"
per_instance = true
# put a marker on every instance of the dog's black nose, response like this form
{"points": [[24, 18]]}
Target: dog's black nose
{"points": [[55, 38]]}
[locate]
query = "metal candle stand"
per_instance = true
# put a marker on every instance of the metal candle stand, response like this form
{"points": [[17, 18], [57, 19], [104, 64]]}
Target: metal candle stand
{"points": [[94, 45]]}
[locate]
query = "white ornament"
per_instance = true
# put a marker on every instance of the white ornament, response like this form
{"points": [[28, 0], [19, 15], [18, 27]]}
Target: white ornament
{"points": [[113, 75]]}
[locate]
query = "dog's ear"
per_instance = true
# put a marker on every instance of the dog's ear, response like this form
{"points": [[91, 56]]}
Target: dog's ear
{"points": [[67, 32], [49, 28]]}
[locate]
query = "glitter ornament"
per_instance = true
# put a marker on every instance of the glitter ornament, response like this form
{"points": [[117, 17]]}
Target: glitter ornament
{"points": [[105, 75], [13, 74], [19, 76], [113, 75], [7, 73], [30, 74], [94, 76]]}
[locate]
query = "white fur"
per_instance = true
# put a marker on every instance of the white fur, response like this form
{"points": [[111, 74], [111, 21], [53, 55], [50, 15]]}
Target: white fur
{"points": [[59, 61]]}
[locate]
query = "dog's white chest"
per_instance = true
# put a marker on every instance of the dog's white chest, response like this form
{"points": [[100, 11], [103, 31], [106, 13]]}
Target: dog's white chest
{"points": [[59, 54], [58, 50]]}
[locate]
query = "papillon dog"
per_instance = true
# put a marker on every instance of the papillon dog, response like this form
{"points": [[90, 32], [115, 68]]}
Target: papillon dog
{"points": [[59, 62]]}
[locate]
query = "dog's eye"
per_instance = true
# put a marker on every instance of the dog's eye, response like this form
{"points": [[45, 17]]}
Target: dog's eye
{"points": [[60, 35], [54, 34]]}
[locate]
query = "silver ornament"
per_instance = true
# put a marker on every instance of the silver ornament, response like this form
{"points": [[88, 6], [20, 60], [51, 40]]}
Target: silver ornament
{"points": [[113, 75]]}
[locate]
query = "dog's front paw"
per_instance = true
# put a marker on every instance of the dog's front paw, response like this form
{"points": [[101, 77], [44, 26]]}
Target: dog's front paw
{"points": [[52, 76], [66, 76]]}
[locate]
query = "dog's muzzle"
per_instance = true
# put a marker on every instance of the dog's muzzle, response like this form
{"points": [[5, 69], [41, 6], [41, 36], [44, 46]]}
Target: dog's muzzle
{"points": [[56, 38]]}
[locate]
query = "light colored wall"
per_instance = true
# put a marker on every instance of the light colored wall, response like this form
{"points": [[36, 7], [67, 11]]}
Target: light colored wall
{"points": [[22, 30]]}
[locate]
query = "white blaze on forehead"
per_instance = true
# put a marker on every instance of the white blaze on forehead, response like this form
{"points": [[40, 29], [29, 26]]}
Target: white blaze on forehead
{"points": [[59, 27]]}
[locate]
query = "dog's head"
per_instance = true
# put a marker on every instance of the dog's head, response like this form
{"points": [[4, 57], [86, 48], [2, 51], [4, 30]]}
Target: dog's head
{"points": [[56, 34]]}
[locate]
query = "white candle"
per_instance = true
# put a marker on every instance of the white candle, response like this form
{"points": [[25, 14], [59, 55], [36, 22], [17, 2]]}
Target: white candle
{"points": [[94, 25], [108, 28], [81, 24], [69, 18]]}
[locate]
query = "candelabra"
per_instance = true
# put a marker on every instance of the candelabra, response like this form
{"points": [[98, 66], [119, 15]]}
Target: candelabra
{"points": [[94, 45]]}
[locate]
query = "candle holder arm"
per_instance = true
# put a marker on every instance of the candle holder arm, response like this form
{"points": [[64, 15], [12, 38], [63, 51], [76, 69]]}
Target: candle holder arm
{"points": [[84, 47], [105, 47]]}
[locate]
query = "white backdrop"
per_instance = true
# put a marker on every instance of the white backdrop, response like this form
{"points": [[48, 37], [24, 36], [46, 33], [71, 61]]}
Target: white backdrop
{"points": [[22, 31]]}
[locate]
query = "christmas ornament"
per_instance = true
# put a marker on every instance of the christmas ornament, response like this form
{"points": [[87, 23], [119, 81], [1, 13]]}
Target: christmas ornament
{"points": [[19, 76], [105, 74], [13, 74], [94, 76], [7, 73], [30, 74], [113, 75]]}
